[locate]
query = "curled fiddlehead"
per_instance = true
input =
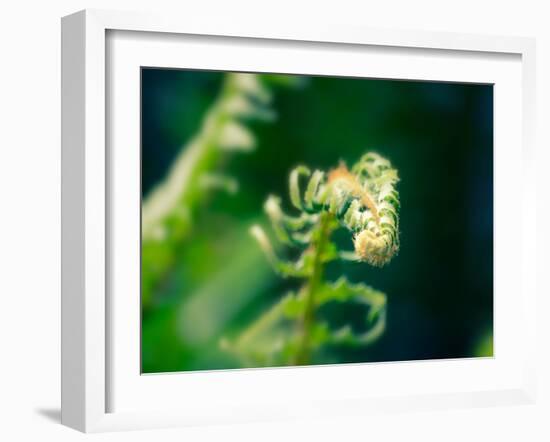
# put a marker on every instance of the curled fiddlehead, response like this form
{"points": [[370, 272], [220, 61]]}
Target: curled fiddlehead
{"points": [[363, 200]]}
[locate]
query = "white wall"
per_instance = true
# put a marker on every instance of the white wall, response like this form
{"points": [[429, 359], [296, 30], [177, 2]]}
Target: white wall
{"points": [[30, 221]]}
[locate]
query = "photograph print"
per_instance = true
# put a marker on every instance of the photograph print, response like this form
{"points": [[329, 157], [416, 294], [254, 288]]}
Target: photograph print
{"points": [[293, 220]]}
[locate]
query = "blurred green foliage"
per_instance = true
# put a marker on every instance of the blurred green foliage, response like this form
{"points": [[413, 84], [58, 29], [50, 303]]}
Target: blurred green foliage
{"points": [[439, 137]]}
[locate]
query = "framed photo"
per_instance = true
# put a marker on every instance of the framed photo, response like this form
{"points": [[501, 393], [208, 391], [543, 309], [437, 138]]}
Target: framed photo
{"points": [[263, 222]]}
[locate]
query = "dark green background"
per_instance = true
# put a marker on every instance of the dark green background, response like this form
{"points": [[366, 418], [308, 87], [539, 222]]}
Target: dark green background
{"points": [[440, 287]]}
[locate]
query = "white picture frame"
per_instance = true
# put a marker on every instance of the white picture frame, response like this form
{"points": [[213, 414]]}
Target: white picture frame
{"points": [[87, 322]]}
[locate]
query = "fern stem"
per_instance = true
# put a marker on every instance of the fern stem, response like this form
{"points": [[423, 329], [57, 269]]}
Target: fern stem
{"points": [[311, 287]]}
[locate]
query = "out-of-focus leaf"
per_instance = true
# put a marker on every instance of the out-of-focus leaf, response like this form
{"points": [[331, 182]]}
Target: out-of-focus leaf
{"points": [[169, 211]]}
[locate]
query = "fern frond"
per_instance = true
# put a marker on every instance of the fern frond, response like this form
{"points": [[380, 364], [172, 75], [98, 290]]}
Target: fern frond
{"points": [[292, 307], [170, 208], [363, 200]]}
